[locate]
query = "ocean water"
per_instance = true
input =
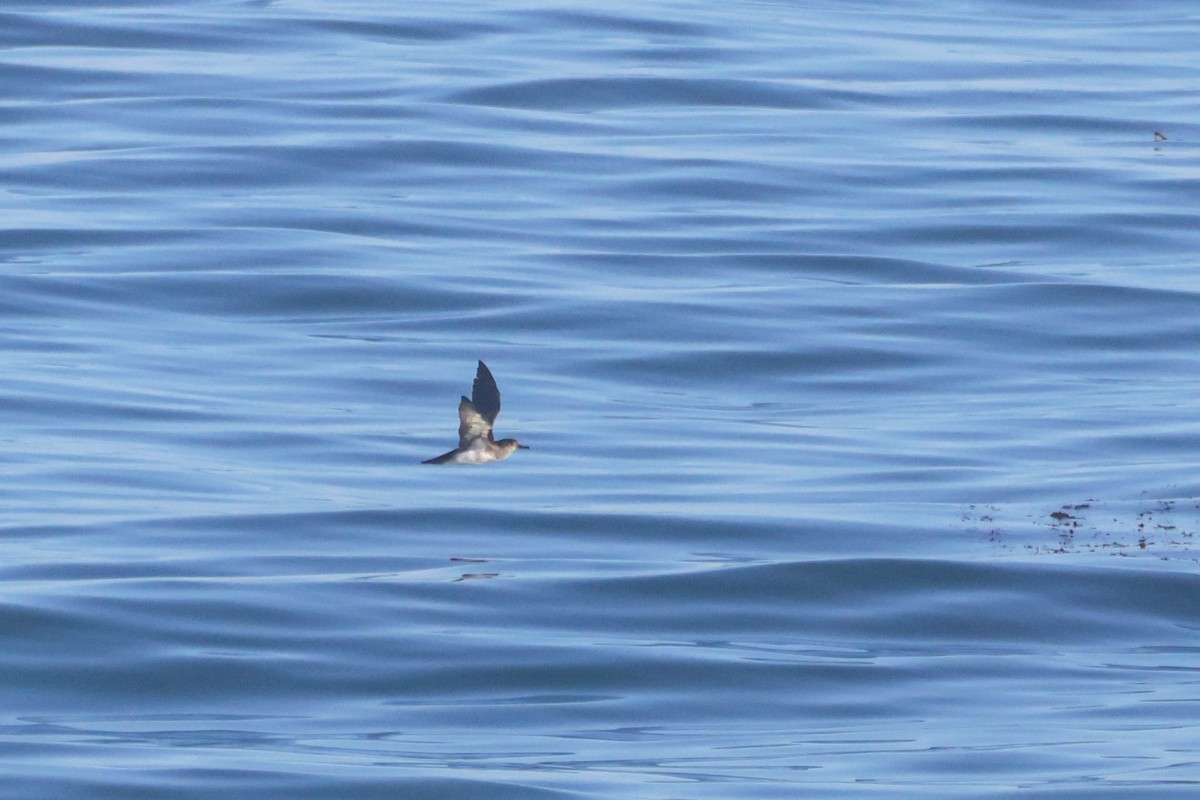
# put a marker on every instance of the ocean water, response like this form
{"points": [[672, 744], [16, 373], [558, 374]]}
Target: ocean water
{"points": [[856, 345]]}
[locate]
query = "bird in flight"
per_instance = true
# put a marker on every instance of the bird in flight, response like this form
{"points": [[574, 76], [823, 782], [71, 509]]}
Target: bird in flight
{"points": [[476, 444]]}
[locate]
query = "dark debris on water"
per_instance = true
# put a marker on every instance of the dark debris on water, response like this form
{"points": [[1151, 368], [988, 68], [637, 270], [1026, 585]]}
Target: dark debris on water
{"points": [[1162, 528]]}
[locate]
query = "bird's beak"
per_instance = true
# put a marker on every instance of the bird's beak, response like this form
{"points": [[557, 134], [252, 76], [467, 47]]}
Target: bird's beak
{"points": [[522, 447]]}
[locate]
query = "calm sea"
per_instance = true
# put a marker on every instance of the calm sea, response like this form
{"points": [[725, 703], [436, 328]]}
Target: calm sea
{"points": [[857, 345]]}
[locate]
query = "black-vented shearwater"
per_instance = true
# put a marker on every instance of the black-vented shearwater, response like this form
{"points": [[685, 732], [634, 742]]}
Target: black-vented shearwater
{"points": [[476, 417]]}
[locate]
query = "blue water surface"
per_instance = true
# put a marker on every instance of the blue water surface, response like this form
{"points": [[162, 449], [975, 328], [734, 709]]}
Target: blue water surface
{"points": [[812, 315]]}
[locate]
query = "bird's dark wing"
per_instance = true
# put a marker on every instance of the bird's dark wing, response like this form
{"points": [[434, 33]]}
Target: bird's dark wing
{"points": [[442, 459], [484, 394]]}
